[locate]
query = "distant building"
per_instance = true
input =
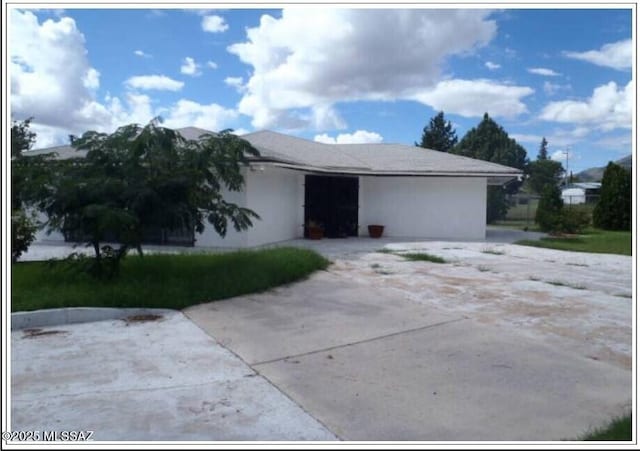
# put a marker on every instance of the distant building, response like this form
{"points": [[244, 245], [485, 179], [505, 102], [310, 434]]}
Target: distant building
{"points": [[581, 193]]}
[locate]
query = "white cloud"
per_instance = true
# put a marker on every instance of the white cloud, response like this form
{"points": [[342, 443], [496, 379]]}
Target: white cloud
{"points": [[617, 55], [234, 82], [552, 88], [561, 156], [526, 138], [214, 24], [492, 66], [91, 79], [53, 81], [321, 56], [240, 131], [357, 137], [141, 54], [618, 142], [49, 136], [608, 108], [473, 98], [158, 82], [51, 77], [543, 71], [190, 67], [189, 113], [212, 65]]}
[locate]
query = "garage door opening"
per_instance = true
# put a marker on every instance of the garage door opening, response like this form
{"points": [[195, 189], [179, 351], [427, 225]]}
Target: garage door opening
{"points": [[332, 201]]}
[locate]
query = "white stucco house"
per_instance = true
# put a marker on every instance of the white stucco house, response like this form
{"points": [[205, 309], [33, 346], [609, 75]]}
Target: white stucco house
{"points": [[413, 192]]}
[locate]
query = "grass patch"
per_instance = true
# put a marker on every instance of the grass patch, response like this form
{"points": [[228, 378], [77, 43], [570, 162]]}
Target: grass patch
{"points": [[594, 240], [385, 251], [161, 281], [423, 257], [558, 283], [618, 429]]}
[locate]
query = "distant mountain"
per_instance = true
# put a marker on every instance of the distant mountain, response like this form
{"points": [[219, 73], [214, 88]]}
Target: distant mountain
{"points": [[595, 174]]}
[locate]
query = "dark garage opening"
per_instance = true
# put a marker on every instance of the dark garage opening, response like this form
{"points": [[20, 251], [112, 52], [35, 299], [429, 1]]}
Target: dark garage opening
{"points": [[332, 201]]}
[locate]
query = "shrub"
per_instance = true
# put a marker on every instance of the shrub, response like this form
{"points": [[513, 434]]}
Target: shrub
{"points": [[549, 212], [554, 217], [573, 220], [23, 232]]}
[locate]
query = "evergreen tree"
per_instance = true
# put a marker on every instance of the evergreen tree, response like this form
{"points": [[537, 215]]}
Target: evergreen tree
{"points": [[544, 171], [490, 142], [613, 210], [438, 135], [542, 153]]}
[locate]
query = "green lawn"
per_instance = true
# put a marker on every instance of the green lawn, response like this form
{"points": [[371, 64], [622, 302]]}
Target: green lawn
{"points": [[618, 429], [161, 281], [593, 240]]}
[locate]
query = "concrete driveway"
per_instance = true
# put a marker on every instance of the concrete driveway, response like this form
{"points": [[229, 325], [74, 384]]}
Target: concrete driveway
{"points": [[149, 377], [501, 343]]}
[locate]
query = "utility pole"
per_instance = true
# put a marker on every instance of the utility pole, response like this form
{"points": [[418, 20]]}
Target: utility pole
{"points": [[566, 174]]}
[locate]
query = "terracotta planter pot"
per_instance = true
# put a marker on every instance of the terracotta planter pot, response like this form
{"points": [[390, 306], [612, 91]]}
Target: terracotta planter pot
{"points": [[315, 233], [375, 231]]}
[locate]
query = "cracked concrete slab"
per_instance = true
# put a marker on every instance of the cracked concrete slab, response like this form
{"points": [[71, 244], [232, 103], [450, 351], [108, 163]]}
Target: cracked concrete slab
{"points": [[156, 380]]}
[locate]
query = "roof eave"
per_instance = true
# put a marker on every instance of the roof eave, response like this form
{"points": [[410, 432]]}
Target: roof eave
{"points": [[364, 172]]}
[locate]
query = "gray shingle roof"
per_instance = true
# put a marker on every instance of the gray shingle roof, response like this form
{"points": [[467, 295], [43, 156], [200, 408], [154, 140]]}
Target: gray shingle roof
{"points": [[376, 159], [363, 159]]}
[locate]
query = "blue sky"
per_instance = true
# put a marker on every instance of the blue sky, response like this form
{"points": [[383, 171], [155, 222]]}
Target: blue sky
{"points": [[333, 75]]}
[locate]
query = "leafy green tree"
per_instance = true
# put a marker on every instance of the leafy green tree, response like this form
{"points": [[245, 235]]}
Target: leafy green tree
{"points": [[613, 210], [438, 135], [543, 171], [490, 142], [22, 138], [28, 175], [142, 178]]}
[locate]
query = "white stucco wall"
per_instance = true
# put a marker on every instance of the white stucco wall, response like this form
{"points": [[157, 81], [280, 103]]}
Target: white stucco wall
{"points": [[277, 195], [210, 238], [42, 235], [429, 207]]}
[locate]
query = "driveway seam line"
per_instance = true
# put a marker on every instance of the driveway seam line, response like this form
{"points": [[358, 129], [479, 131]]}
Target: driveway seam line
{"points": [[265, 378], [368, 340]]}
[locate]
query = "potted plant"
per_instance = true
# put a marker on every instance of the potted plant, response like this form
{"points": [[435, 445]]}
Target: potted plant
{"points": [[315, 230], [375, 230]]}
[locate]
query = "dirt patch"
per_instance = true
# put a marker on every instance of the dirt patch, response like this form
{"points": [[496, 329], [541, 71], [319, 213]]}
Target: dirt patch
{"points": [[142, 318], [34, 333]]}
